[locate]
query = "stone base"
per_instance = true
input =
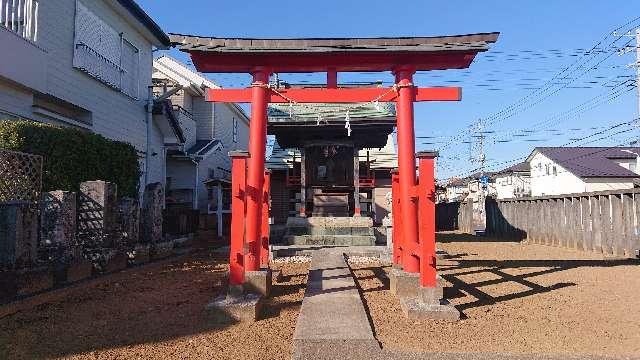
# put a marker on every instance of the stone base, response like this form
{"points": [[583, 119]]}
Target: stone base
{"points": [[161, 250], [79, 269], [116, 262], [406, 285], [34, 280], [415, 309], [229, 309], [258, 282]]}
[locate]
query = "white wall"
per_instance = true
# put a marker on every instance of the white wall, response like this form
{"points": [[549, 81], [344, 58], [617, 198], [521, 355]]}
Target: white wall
{"points": [[113, 114], [507, 184], [564, 182], [223, 127]]}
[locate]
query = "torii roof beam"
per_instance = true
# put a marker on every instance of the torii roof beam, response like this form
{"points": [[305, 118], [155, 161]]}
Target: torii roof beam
{"points": [[333, 55]]}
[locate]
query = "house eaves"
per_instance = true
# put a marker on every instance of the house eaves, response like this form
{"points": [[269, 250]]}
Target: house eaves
{"points": [[135, 11]]}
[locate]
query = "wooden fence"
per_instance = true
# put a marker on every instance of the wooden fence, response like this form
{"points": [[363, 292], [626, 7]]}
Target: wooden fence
{"points": [[606, 222]]}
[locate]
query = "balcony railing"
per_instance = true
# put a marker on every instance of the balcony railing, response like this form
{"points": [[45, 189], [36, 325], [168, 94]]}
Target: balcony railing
{"points": [[20, 17]]}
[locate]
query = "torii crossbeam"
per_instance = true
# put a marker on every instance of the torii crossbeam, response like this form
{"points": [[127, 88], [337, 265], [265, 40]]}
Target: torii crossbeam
{"points": [[402, 56]]}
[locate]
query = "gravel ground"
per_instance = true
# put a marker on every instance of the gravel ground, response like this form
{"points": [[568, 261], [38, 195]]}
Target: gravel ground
{"points": [[152, 312], [517, 299]]}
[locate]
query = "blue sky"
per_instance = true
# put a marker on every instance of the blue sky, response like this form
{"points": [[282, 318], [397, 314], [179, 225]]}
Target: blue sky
{"points": [[538, 40]]}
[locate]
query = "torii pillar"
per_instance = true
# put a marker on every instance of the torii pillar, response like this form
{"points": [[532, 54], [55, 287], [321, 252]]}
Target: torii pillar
{"points": [[255, 172]]}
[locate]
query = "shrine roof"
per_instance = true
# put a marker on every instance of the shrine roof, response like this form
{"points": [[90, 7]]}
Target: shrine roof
{"points": [[280, 113], [470, 42]]}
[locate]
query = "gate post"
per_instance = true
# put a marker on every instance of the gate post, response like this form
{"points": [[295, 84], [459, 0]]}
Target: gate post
{"points": [[396, 218], [255, 175], [264, 251], [238, 205], [427, 211], [407, 168]]}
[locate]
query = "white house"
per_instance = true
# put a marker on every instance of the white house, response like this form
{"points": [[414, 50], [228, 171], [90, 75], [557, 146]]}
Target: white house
{"points": [[85, 64], [198, 164], [456, 189], [513, 182], [568, 170]]}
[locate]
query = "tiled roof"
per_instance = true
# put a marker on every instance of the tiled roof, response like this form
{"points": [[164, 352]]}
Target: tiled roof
{"points": [[590, 161], [329, 111], [477, 42]]}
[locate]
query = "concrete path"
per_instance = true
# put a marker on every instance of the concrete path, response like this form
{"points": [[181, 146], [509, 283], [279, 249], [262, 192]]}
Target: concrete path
{"points": [[332, 321]]}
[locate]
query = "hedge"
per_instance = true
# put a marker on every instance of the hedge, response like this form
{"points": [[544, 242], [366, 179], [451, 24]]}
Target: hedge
{"points": [[72, 156]]}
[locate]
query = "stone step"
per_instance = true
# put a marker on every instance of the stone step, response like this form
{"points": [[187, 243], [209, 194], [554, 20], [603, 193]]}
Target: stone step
{"points": [[342, 240], [316, 230], [333, 322]]}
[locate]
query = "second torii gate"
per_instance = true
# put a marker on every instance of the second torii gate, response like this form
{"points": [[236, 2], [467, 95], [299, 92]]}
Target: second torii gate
{"points": [[263, 57]]}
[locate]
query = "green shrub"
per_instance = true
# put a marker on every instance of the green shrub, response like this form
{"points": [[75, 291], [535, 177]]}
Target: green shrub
{"points": [[72, 156]]}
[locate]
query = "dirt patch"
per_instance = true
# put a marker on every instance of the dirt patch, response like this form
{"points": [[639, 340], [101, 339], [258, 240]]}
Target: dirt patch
{"points": [[517, 299], [154, 312]]}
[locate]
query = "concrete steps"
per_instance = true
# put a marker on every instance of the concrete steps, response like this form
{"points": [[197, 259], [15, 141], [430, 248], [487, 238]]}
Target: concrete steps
{"points": [[336, 231], [339, 240]]}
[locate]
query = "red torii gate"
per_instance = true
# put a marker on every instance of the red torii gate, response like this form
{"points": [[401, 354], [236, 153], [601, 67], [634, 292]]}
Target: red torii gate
{"points": [[402, 56]]}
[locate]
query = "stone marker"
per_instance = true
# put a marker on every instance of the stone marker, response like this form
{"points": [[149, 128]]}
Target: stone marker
{"points": [[58, 219], [151, 214], [18, 235], [129, 221], [97, 212]]}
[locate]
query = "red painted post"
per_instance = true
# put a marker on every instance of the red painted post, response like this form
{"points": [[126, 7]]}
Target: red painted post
{"points": [[407, 169], [397, 217], [238, 205], [255, 175], [264, 250], [427, 204]]}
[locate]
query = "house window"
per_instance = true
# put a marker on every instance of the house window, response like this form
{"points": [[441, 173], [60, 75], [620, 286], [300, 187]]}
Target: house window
{"points": [[555, 171], [546, 169], [20, 17], [509, 180], [130, 63], [235, 130], [104, 54]]}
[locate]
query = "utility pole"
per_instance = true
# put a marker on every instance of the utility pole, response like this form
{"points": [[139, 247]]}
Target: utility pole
{"points": [[637, 65]]}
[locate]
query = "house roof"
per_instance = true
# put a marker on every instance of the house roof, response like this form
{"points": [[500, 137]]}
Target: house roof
{"points": [[177, 71], [590, 161], [522, 167], [136, 11], [203, 147], [180, 73]]}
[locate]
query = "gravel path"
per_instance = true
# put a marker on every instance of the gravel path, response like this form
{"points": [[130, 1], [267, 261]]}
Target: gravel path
{"points": [[153, 312], [518, 299]]}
